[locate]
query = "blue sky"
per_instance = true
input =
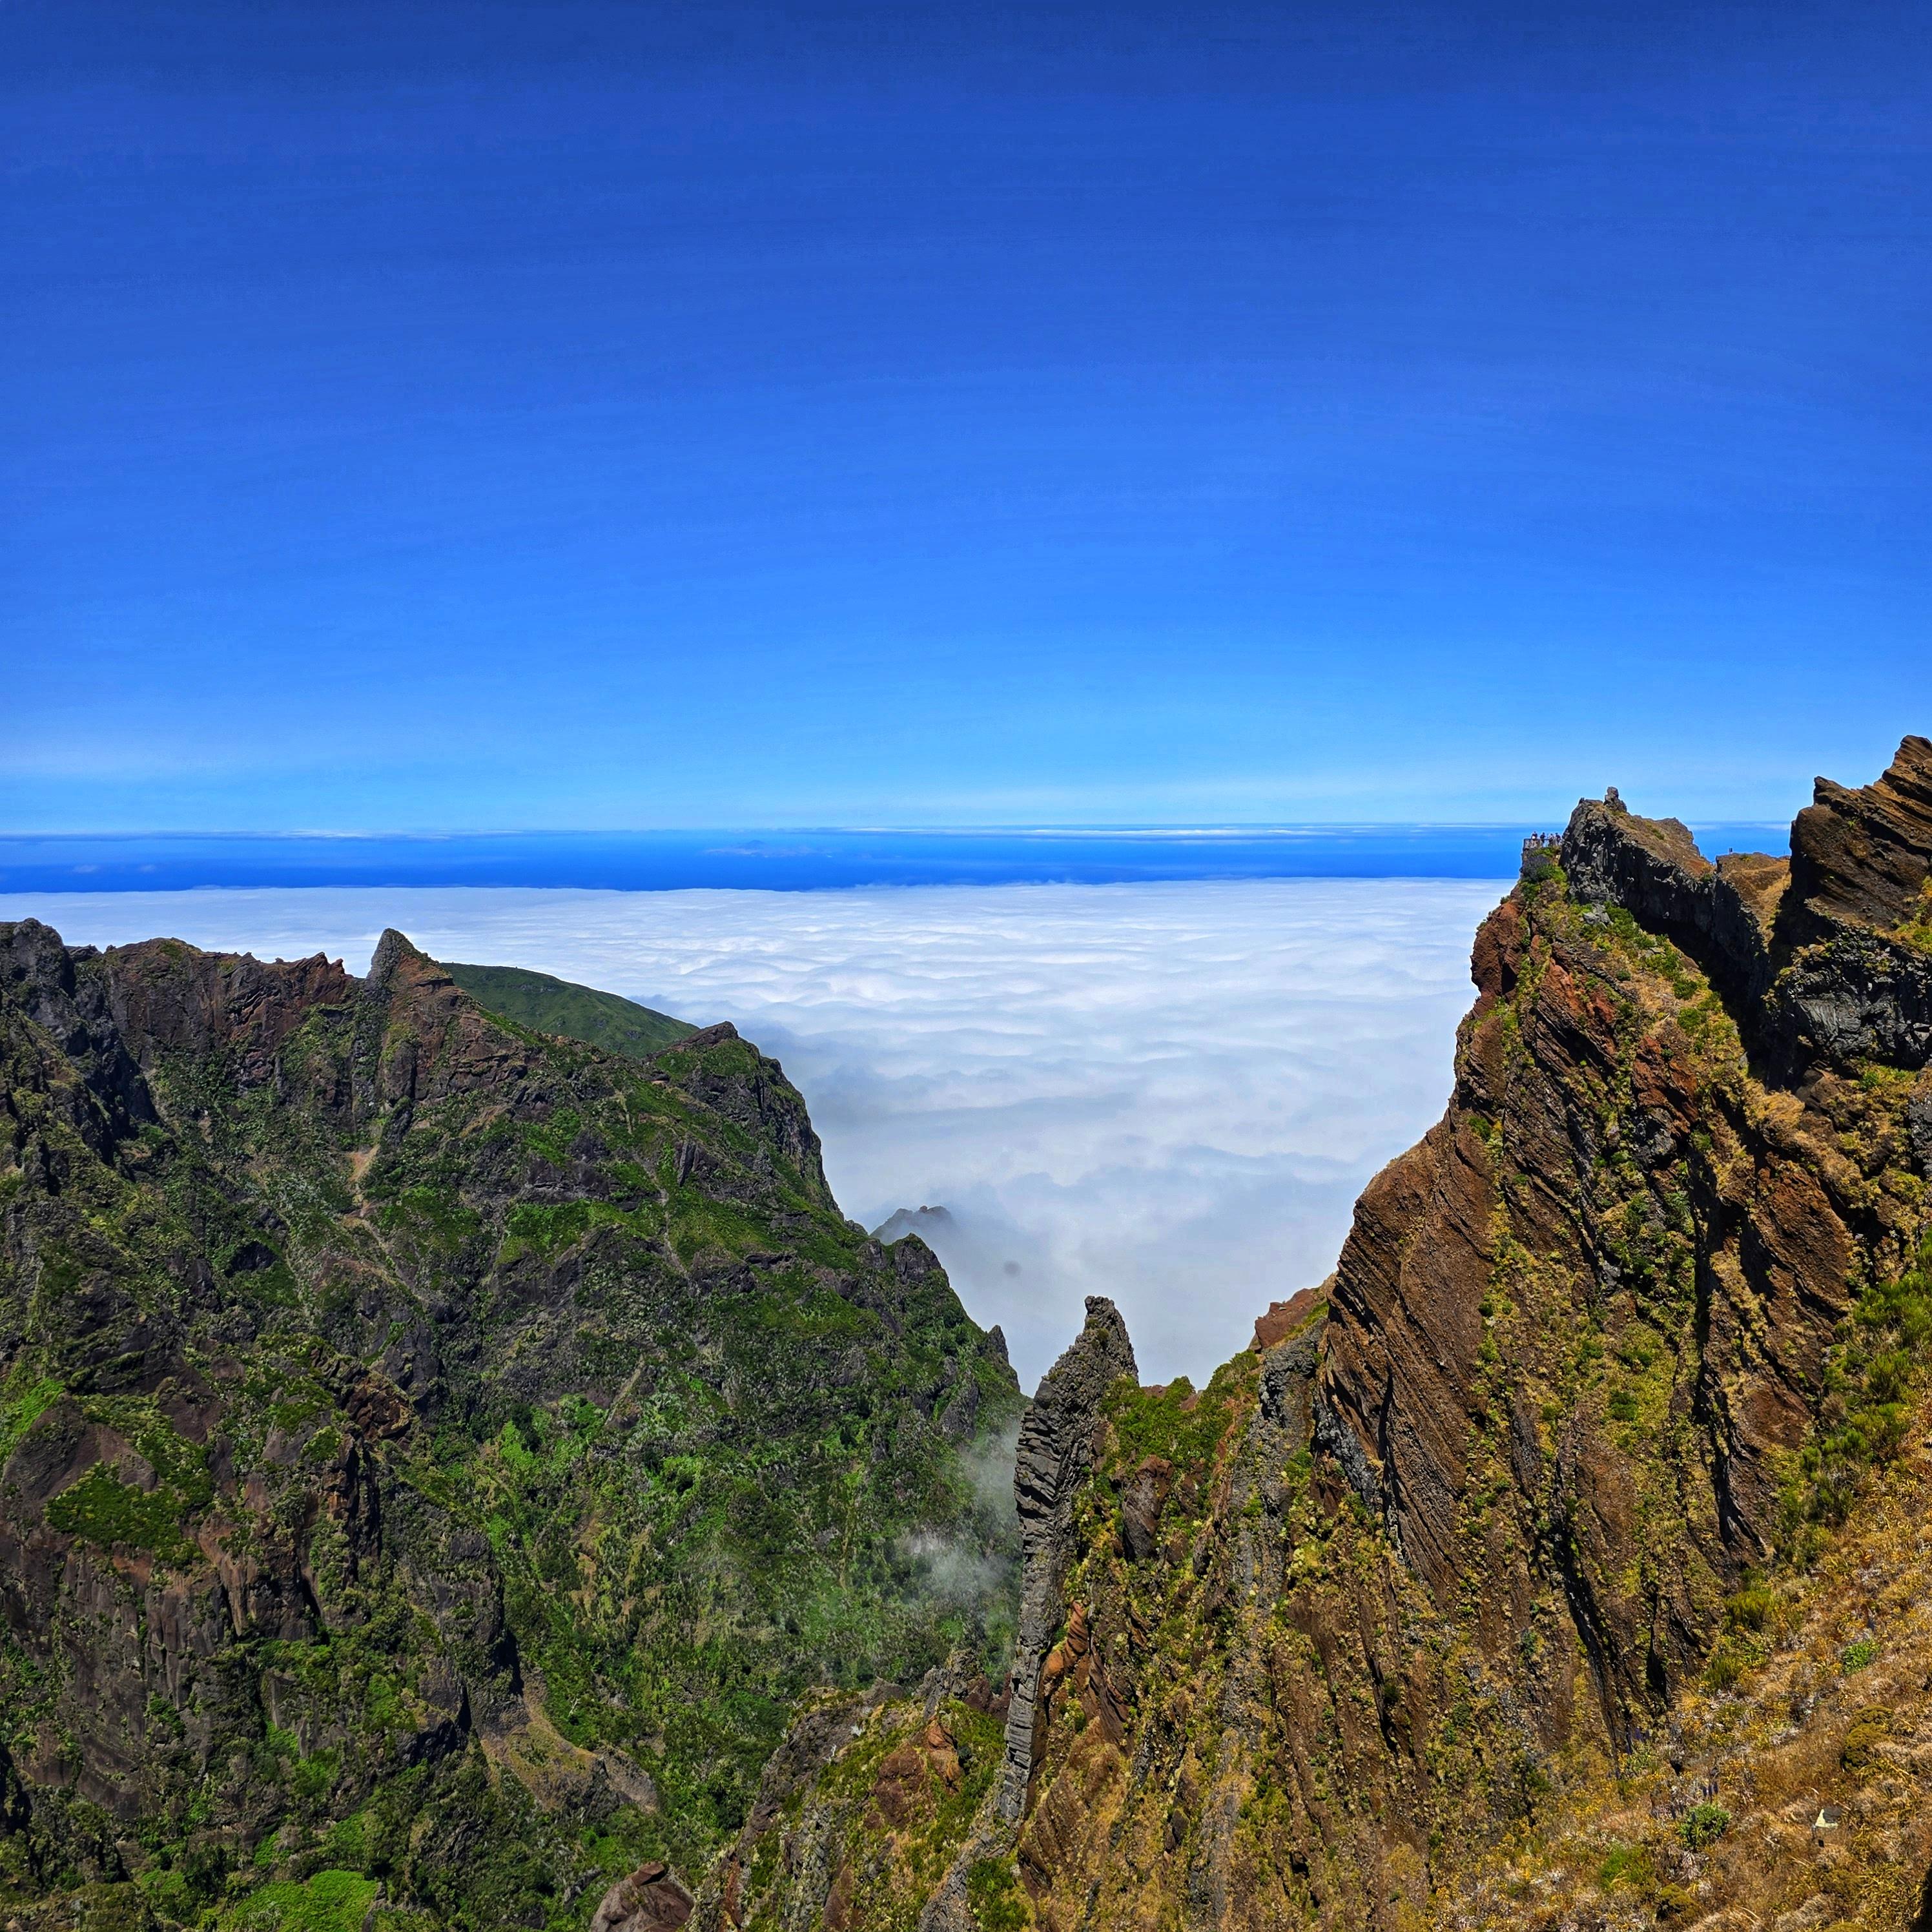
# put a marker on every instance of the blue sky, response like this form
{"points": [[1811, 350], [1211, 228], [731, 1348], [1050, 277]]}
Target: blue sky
{"points": [[481, 416]]}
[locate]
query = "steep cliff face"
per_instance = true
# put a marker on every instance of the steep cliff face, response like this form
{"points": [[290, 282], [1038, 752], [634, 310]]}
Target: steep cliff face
{"points": [[1574, 1541], [1055, 1451], [436, 1456]]}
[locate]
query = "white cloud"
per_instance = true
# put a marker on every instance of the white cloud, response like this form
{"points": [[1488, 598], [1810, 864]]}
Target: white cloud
{"points": [[1169, 1093]]}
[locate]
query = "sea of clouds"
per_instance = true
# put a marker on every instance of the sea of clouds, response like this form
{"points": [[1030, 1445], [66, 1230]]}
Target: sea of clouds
{"points": [[1168, 1093]]}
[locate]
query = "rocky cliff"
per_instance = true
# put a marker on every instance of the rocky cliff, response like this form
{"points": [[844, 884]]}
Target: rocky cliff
{"points": [[1564, 1561], [436, 1457], [449, 1470]]}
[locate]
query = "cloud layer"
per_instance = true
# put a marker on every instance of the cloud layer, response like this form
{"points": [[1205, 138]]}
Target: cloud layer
{"points": [[1169, 1093]]}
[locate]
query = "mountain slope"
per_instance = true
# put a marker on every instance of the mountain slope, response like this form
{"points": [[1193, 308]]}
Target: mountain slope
{"points": [[444, 1458], [438, 1456], [1566, 1561], [550, 1005]]}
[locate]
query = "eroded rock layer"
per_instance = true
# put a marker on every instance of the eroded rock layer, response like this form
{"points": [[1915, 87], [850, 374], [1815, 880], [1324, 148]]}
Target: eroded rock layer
{"points": [[1575, 1541]]}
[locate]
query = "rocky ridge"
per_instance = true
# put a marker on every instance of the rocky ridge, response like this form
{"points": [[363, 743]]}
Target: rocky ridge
{"points": [[435, 1457], [1564, 1562]]}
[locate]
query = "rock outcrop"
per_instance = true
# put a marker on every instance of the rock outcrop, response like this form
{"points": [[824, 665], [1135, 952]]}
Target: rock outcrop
{"points": [[1860, 858], [1613, 1160], [1056, 1443], [1822, 957], [649, 1899], [1721, 914], [1529, 1573]]}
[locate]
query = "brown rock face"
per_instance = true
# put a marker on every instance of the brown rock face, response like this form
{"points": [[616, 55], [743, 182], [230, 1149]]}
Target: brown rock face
{"points": [[1404, 1329], [1816, 956], [1478, 1528], [1861, 858], [1142, 1503], [1651, 867], [173, 999], [649, 1901], [1609, 1167], [1283, 1317], [1456, 1538]]}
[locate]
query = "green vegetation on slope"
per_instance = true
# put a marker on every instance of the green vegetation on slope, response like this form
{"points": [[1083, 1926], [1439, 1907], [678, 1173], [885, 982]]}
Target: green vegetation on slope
{"points": [[553, 1432], [550, 1005]]}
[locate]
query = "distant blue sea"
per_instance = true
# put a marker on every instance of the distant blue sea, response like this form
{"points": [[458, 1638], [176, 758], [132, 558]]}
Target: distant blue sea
{"points": [[786, 861]]}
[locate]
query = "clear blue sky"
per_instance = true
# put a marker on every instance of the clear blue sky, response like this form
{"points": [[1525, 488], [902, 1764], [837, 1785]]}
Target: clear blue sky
{"points": [[562, 415]]}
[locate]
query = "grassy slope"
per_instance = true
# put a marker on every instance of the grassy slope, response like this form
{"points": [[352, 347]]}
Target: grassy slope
{"points": [[1820, 1696], [551, 1005]]}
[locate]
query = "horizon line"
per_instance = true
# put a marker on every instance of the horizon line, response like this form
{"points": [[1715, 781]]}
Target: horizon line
{"points": [[1229, 829]]}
